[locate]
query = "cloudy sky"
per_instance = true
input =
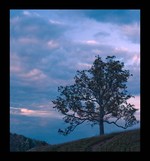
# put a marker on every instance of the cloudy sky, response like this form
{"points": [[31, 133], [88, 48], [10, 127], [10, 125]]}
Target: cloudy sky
{"points": [[47, 47]]}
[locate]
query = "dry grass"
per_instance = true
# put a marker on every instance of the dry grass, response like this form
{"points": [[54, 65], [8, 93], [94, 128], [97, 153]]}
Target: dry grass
{"points": [[123, 141]]}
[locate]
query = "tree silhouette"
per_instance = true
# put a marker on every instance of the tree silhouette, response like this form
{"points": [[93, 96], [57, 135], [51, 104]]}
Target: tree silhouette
{"points": [[99, 95]]}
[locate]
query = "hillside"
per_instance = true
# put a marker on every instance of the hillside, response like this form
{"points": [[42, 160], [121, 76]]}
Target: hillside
{"points": [[122, 141], [22, 143]]}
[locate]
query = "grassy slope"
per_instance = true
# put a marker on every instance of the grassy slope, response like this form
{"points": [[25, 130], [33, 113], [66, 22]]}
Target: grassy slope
{"points": [[123, 141]]}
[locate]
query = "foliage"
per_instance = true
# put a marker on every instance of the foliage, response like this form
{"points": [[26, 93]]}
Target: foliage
{"points": [[22, 143], [98, 95]]}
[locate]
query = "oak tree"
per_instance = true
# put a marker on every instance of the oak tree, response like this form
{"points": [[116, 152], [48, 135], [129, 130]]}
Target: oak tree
{"points": [[99, 95]]}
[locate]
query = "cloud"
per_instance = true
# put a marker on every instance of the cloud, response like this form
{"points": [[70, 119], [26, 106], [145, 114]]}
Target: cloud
{"points": [[136, 101], [35, 26], [52, 44], [91, 42], [34, 75], [132, 32], [26, 13], [134, 61], [33, 113], [55, 22], [83, 66], [15, 63]]}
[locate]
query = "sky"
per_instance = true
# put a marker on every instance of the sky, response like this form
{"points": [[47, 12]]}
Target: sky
{"points": [[47, 47]]}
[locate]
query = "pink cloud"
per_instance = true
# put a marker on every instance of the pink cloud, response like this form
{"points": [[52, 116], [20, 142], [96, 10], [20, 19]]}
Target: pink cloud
{"points": [[134, 61], [34, 74], [34, 113], [136, 102]]}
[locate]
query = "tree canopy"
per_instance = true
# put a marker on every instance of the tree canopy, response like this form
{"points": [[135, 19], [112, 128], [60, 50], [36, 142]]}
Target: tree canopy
{"points": [[99, 95]]}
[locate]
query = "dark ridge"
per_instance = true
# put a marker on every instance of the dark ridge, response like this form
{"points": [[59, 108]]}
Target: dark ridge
{"points": [[20, 143]]}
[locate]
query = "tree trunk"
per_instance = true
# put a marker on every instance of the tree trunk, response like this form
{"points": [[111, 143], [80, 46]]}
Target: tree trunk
{"points": [[101, 127], [101, 122]]}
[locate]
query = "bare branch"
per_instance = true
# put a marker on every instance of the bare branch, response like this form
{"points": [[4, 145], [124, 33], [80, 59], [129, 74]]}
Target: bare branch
{"points": [[114, 122]]}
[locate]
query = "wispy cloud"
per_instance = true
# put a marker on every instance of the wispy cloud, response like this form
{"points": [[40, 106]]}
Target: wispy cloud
{"points": [[91, 42], [134, 61], [132, 32], [26, 13], [33, 113], [34, 75], [55, 22], [83, 66], [52, 44]]}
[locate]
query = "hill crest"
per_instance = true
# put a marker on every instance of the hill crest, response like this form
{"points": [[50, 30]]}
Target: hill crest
{"points": [[120, 141]]}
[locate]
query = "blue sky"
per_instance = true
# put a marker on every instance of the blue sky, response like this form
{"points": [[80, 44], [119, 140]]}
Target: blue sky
{"points": [[47, 47]]}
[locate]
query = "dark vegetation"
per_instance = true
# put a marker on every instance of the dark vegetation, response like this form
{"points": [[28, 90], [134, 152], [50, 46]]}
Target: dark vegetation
{"points": [[114, 142], [22, 143]]}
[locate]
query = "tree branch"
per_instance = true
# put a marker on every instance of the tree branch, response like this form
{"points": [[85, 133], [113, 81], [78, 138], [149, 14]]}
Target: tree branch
{"points": [[82, 119], [69, 129], [114, 122]]}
